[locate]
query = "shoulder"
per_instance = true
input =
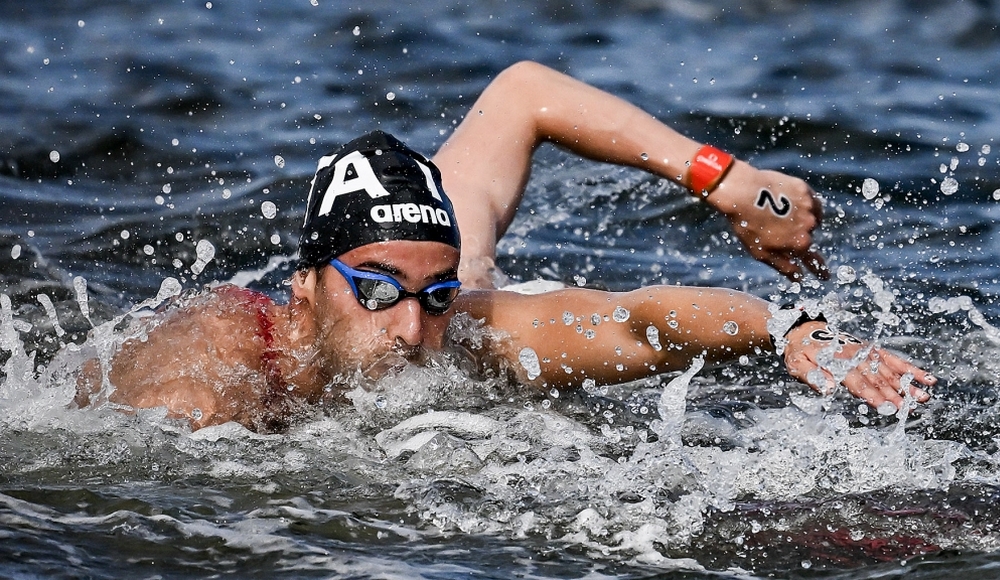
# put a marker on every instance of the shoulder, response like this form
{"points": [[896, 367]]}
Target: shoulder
{"points": [[225, 319]]}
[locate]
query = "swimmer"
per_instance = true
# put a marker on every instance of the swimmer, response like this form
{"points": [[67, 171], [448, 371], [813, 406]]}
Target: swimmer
{"points": [[377, 287], [486, 162]]}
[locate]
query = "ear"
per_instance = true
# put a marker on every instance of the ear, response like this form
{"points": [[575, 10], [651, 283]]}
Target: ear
{"points": [[304, 285]]}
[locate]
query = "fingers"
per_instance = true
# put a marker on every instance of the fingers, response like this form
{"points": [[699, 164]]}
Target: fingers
{"points": [[877, 387], [784, 265], [816, 264], [790, 265], [881, 378]]}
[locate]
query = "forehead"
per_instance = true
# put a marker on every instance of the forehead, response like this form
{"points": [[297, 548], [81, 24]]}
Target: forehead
{"points": [[410, 259]]}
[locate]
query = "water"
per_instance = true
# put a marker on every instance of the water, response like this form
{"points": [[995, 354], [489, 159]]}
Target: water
{"points": [[151, 147]]}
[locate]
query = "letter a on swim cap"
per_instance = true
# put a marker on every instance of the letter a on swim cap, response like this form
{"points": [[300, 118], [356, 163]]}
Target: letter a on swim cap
{"points": [[374, 189], [364, 179]]}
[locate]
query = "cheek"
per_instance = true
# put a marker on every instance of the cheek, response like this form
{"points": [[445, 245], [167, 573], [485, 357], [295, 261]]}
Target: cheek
{"points": [[435, 327]]}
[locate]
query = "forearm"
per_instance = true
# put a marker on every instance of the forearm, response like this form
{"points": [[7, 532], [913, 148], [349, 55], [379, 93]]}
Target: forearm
{"points": [[681, 323], [579, 334], [603, 127]]}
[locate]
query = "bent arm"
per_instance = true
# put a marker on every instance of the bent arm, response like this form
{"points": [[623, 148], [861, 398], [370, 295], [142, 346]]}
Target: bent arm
{"points": [[486, 163]]}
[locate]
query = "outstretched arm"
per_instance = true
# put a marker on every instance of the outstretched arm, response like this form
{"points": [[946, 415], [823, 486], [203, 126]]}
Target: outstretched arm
{"points": [[578, 334], [485, 165]]}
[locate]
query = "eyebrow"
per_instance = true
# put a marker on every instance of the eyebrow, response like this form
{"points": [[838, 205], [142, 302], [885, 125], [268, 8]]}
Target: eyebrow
{"points": [[389, 269]]}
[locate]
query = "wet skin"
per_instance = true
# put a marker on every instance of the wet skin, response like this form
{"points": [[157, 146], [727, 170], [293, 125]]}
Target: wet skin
{"points": [[206, 361]]}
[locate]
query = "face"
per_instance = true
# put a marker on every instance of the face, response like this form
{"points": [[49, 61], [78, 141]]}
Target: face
{"points": [[351, 337]]}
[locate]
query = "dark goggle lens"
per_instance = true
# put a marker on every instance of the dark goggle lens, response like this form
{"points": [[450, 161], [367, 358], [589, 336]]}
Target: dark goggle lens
{"points": [[438, 300], [377, 294], [380, 294]]}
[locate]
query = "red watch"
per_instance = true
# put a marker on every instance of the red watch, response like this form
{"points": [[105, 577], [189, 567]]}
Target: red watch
{"points": [[707, 169]]}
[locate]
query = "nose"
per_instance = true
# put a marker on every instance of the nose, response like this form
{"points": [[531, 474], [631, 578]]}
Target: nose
{"points": [[408, 322]]}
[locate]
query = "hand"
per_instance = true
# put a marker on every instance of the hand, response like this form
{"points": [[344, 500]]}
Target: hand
{"points": [[773, 215], [872, 374]]}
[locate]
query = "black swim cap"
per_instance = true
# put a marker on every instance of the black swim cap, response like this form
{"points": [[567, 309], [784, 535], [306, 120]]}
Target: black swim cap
{"points": [[374, 189]]}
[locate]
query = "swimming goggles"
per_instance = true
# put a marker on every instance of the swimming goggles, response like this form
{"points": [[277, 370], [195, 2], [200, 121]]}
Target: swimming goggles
{"points": [[378, 291]]}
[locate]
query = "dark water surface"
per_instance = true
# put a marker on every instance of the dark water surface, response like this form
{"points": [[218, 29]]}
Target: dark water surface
{"points": [[143, 141]]}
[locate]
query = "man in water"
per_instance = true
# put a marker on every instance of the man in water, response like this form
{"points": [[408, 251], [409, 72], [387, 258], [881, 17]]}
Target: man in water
{"points": [[377, 287], [486, 162]]}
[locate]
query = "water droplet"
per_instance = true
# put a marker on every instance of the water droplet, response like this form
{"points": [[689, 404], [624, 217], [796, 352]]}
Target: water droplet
{"points": [[166, 188], [996, 194], [50, 311], [15, 252], [529, 361], [175, 142], [846, 275], [356, 31], [595, 319], [81, 23], [125, 234], [962, 147], [381, 402], [279, 161], [275, 239], [567, 318], [620, 314], [886, 409], [148, 250], [80, 287], [554, 393], [869, 188], [949, 186], [731, 328], [196, 414], [54, 156], [159, 200], [269, 210], [390, 96], [644, 156], [206, 252], [653, 337], [589, 385], [590, 334]]}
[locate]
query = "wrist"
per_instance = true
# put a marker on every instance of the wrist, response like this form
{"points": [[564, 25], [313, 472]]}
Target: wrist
{"points": [[784, 326], [706, 170]]}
